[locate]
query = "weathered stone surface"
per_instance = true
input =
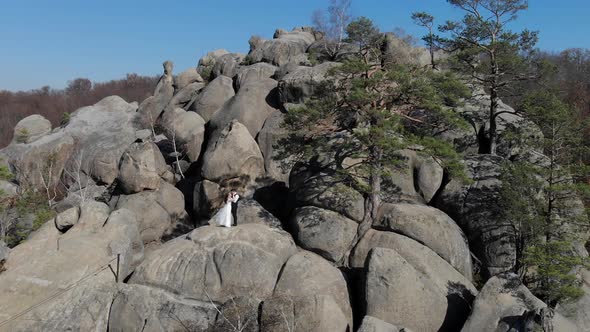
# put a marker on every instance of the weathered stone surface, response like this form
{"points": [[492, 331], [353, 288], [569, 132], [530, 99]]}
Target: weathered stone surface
{"points": [[253, 73], [50, 261], [476, 209], [251, 106], [212, 97], [417, 179], [206, 63], [187, 130], [249, 211], [579, 310], [102, 133], [316, 313], [284, 48], [187, 77], [204, 193], [431, 227], [160, 214], [372, 324], [185, 97], [4, 252], [41, 163], [301, 82], [306, 275], [502, 304], [399, 294], [219, 262], [227, 65], [150, 109], [268, 137], [325, 190], [31, 129], [138, 307], [141, 167], [67, 219], [322, 231], [233, 153]]}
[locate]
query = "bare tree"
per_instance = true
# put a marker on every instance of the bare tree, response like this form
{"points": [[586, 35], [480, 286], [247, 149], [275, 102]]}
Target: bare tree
{"points": [[333, 22], [48, 179], [79, 180]]}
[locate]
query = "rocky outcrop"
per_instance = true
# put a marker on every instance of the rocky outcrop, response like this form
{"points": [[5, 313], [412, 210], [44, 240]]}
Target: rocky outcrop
{"points": [[186, 130], [212, 97], [102, 133], [284, 48], [251, 106], [142, 165], [137, 307], [218, 263], [306, 275], [431, 227], [150, 109], [268, 138], [504, 304], [233, 153], [50, 263], [31, 129], [185, 97], [475, 208], [325, 232], [254, 73], [187, 77], [324, 189], [301, 82], [401, 293], [160, 213]]}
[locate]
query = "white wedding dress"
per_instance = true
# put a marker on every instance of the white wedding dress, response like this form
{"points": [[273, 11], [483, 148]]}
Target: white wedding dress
{"points": [[223, 217]]}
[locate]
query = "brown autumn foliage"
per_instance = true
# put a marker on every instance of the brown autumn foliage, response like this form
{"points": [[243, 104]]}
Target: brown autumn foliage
{"points": [[53, 104]]}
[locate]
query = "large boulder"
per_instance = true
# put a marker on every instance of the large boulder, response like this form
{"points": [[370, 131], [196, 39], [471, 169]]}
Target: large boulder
{"points": [[476, 208], [212, 97], [186, 130], [218, 263], [306, 275], [323, 188], [142, 165], [185, 97], [253, 73], [301, 82], [250, 211], [417, 178], [402, 294], [138, 307], [31, 129], [227, 65], [50, 262], [160, 213], [268, 138], [40, 164], [187, 77], [322, 231], [251, 106], [505, 304], [102, 133], [285, 47], [431, 227], [206, 63], [233, 153]]}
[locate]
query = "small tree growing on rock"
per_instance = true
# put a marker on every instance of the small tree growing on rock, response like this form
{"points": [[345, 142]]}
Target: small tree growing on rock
{"points": [[358, 116], [426, 20]]}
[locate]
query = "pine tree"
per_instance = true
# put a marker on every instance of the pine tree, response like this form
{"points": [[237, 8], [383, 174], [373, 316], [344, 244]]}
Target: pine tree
{"points": [[367, 106]]}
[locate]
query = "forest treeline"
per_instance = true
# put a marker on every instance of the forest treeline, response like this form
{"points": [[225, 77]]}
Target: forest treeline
{"points": [[53, 104]]}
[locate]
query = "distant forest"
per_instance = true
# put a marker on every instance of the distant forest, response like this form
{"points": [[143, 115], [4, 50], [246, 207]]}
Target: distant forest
{"points": [[54, 104], [571, 80]]}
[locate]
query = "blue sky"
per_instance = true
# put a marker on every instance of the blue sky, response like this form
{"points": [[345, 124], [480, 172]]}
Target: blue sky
{"points": [[48, 42]]}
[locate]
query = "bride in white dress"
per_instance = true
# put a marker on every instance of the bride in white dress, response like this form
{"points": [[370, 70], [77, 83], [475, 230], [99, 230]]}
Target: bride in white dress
{"points": [[223, 217]]}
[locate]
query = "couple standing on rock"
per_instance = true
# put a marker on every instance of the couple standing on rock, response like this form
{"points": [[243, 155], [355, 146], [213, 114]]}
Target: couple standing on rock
{"points": [[224, 216]]}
